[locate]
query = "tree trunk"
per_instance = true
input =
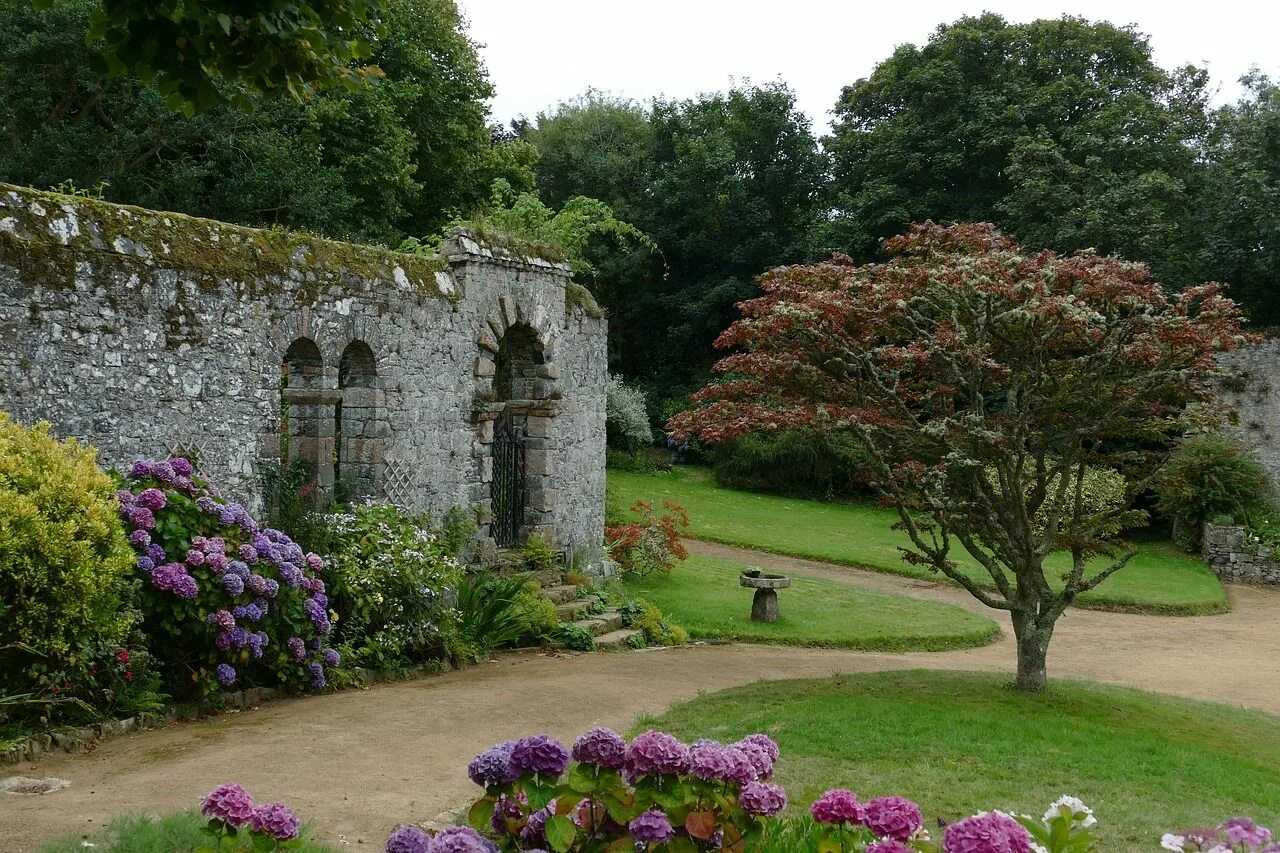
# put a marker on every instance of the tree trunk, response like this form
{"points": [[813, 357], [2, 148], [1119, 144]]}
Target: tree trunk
{"points": [[1032, 635]]}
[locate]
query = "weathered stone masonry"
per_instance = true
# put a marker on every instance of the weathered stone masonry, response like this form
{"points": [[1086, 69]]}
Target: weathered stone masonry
{"points": [[1251, 390], [1237, 559], [148, 333]]}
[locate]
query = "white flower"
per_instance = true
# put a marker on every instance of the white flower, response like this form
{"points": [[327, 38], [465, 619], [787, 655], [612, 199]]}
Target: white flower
{"points": [[1073, 806], [1169, 841]]}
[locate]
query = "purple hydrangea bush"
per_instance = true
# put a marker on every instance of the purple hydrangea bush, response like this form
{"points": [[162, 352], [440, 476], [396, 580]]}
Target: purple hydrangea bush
{"points": [[236, 823], [227, 601], [1235, 835], [840, 822], [605, 794]]}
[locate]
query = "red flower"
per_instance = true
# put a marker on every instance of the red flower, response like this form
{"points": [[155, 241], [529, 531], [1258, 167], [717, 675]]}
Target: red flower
{"points": [[128, 675], [122, 656]]}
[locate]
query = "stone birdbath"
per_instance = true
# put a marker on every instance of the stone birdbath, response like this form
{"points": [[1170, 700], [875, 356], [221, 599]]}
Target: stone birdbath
{"points": [[764, 607]]}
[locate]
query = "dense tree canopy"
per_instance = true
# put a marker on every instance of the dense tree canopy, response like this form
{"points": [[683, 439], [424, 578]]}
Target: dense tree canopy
{"points": [[201, 53], [727, 184], [399, 156], [992, 392], [1064, 132], [1241, 200]]}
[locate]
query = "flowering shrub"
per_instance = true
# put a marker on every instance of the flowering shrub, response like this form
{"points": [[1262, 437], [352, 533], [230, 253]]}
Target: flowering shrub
{"points": [[235, 823], [842, 824], [1237, 835], [387, 575], [67, 615], [604, 794], [653, 543], [225, 602], [626, 416]]}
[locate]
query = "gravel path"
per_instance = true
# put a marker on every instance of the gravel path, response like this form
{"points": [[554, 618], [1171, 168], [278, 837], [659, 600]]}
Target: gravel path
{"points": [[360, 762]]}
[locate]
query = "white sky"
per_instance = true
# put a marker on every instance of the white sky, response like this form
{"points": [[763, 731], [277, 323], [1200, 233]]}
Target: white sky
{"points": [[540, 52]]}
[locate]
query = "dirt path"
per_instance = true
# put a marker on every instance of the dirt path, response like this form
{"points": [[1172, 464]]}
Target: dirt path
{"points": [[360, 762]]}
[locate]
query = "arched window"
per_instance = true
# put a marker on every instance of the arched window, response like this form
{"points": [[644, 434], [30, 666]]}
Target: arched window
{"points": [[306, 422], [519, 354], [357, 425]]}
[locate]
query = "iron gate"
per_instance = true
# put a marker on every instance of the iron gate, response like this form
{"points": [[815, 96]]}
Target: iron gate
{"points": [[506, 490]]}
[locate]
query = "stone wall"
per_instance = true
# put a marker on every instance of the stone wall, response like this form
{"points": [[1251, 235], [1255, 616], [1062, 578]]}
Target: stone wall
{"points": [[1235, 559], [1251, 389], [148, 334]]}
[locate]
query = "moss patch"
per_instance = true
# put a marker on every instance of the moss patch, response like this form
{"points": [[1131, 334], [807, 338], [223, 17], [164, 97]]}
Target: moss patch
{"points": [[42, 233]]}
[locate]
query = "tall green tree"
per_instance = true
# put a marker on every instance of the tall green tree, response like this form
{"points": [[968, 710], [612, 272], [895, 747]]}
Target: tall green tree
{"points": [[399, 156], [727, 184], [1065, 132], [1241, 199], [734, 190], [597, 146]]}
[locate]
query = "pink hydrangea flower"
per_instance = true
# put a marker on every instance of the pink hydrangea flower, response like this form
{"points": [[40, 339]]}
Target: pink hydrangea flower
{"points": [[228, 803], [837, 806], [893, 817]]}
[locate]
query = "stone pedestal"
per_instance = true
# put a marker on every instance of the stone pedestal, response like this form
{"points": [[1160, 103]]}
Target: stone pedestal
{"points": [[764, 606]]}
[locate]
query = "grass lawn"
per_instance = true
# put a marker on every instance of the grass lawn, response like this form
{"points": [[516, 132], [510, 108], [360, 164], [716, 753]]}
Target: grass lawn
{"points": [[1160, 579], [704, 596], [958, 743]]}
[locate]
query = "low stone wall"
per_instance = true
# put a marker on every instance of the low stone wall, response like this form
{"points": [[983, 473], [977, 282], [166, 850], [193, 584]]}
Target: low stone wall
{"points": [[1235, 560]]}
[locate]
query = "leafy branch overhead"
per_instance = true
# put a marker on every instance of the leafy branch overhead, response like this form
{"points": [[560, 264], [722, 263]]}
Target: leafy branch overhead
{"points": [[202, 53]]}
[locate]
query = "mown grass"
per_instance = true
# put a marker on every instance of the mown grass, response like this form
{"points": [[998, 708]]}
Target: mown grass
{"points": [[703, 595], [1160, 579], [958, 743]]}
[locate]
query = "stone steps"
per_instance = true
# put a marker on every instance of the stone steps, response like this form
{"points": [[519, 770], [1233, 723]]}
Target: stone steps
{"points": [[560, 593], [616, 640], [569, 611], [601, 624]]}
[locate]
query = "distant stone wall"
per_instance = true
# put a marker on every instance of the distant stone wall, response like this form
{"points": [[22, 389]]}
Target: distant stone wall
{"points": [[1251, 389], [1236, 560], [149, 334]]}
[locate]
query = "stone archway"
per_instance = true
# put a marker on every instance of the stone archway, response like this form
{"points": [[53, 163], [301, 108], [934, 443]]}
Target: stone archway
{"points": [[358, 430], [517, 402], [306, 419]]}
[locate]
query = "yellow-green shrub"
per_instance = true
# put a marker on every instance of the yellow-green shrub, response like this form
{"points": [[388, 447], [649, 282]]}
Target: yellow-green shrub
{"points": [[63, 551]]}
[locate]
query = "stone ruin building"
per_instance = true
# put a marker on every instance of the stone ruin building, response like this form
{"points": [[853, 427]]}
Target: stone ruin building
{"points": [[468, 379]]}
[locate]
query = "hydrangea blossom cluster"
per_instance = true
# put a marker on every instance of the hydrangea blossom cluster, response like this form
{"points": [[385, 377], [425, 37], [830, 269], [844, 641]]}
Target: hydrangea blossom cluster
{"points": [[527, 792], [1234, 835], [211, 557], [987, 832], [230, 806]]}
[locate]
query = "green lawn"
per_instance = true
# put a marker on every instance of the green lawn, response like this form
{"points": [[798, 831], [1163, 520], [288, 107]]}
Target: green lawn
{"points": [[703, 595], [958, 743], [1159, 579]]}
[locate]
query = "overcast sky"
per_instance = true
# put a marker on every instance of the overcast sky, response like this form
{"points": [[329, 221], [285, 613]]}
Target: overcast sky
{"points": [[540, 52]]}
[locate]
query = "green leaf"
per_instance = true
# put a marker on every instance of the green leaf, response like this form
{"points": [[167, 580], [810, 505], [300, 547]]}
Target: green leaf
{"points": [[481, 813], [225, 20], [560, 833]]}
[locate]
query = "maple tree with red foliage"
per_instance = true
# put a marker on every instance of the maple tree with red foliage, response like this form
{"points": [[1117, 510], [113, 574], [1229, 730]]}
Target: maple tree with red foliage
{"points": [[985, 384], [653, 543]]}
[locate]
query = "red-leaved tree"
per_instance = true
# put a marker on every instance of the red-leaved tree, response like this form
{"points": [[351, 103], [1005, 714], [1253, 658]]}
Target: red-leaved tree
{"points": [[992, 390]]}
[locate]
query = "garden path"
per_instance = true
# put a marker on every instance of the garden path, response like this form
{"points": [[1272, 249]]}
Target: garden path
{"points": [[359, 762]]}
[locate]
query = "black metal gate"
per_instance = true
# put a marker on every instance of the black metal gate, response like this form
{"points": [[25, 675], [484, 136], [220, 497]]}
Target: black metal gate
{"points": [[506, 491]]}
